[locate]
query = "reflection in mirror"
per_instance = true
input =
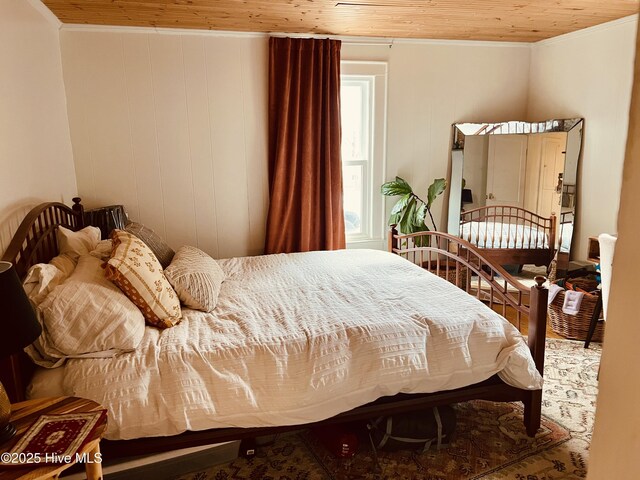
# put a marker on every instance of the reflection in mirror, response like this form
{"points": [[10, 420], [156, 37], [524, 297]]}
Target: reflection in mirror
{"points": [[513, 189]]}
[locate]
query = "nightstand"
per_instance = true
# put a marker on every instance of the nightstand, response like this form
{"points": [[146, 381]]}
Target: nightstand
{"points": [[23, 415]]}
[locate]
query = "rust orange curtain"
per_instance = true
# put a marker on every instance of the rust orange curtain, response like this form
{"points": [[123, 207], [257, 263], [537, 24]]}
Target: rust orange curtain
{"points": [[305, 168]]}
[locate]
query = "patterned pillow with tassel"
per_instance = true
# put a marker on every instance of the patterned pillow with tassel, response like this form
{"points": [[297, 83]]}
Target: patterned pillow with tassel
{"points": [[135, 270]]}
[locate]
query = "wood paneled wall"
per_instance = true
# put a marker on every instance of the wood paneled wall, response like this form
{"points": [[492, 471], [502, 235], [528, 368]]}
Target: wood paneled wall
{"points": [[35, 147], [435, 84], [175, 128], [589, 74]]}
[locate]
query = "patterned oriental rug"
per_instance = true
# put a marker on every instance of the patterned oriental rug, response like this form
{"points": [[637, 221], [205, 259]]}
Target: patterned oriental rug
{"points": [[490, 442]]}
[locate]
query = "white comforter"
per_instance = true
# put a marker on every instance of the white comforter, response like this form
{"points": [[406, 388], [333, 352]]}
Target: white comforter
{"points": [[299, 338], [503, 235]]}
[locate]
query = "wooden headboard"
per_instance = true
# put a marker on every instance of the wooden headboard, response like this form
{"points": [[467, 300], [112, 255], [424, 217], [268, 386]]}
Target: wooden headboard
{"points": [[34, 242]]}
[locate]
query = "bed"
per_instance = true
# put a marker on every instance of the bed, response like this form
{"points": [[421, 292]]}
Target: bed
{"points": [[346, 342], [510, 235]]}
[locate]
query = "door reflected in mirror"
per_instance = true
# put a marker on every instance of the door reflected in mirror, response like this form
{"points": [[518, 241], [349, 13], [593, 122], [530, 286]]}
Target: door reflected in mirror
{"points": [[513, 189]]}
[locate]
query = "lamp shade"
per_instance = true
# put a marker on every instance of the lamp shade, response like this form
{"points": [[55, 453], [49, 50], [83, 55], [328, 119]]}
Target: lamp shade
{"points": [[21, 327], [467, 197], [106, 218]]}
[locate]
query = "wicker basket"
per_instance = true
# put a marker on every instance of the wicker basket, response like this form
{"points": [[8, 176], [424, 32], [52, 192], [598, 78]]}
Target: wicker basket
{"points": [[575, 327], [450, 275]]}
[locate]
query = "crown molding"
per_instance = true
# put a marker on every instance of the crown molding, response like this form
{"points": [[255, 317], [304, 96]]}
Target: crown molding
{"points": [[348, 40], [587, 31]]}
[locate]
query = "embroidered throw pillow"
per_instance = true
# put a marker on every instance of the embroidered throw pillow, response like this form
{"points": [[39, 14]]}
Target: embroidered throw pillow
{"points": [[136, 271], [196, 277]]}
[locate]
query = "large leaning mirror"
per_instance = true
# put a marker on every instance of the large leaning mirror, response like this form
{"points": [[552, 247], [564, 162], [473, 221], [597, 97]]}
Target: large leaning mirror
{"points": [[513, 188]]}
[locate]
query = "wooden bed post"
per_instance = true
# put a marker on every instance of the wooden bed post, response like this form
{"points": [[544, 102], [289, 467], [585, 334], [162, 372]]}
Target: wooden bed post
{"points": [[393, 242], [79, 209], [536, 340], [552, 236]]}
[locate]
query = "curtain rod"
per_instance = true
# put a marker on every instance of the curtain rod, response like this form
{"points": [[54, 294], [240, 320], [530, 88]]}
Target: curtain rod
{"points": [[368, 44]]}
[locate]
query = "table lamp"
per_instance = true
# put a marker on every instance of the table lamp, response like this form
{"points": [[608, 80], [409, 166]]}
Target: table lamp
{"points": [[21, 329]]}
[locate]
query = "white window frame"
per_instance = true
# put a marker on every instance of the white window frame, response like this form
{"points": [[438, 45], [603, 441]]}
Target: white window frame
{"points": [[373, 224]]}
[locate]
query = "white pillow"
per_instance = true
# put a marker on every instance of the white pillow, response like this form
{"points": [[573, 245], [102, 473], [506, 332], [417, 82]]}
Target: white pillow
{"points": [[77, 243], [42, 278], [65, 262], [86, 316], [102, 250], [196, 278]]}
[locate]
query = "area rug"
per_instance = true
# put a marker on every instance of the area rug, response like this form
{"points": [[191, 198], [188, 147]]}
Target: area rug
{"points": [[490, 442]]}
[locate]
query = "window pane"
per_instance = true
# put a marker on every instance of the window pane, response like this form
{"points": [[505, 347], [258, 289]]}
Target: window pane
{"points": [[354, 118], [352, 177]]}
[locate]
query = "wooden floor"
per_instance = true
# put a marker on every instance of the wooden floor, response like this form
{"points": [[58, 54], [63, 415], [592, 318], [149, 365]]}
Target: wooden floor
{"points": [[524, 322]]}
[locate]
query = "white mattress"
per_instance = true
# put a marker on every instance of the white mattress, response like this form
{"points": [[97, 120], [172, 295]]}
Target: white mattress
{"points": [[299, 338], [503, 235]]}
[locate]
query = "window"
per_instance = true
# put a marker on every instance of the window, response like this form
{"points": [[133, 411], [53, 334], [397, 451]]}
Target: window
{"points": [[363, 111]]}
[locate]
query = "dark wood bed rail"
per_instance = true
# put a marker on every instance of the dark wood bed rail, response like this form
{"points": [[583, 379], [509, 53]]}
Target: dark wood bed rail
{"points": [[35, 242], [444, 254], [452, 257]]}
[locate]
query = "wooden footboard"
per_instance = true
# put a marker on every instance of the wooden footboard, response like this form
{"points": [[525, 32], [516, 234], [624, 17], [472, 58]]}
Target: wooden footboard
{"points": [[35, 242], [469, 268], [482, 227]]}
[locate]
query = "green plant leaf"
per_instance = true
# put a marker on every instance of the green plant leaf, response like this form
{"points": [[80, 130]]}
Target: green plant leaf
{"points": [[406, 222], [421, 212], [399, 186], [401, 204], [394, 219], [436, 188]]}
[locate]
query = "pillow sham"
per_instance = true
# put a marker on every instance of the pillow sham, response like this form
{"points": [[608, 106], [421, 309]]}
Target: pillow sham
{"points": [[77, 243], [136, 271], [196, 278], [160, 249], [86, 316]]}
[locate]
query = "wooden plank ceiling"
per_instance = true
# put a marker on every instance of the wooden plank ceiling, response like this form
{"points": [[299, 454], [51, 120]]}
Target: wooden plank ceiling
{"points": [[505, 20]]}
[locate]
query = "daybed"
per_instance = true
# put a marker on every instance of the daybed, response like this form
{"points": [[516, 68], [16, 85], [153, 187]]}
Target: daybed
{"points": [[302, 339]]}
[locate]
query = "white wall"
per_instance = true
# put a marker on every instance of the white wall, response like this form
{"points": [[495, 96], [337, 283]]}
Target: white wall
{"points": [[35, 148], [433, 84], [174, 125], [175, 128], [589, 74], [616, 439]]}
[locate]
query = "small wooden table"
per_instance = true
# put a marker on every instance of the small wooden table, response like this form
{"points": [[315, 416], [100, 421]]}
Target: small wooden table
{"points": [[23, 415]]}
